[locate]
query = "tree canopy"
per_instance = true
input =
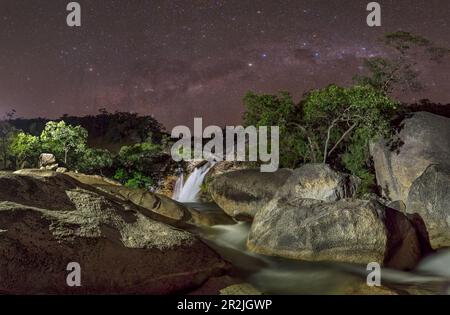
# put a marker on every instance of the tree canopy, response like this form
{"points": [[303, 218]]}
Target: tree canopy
{"points": [[334, 124]]}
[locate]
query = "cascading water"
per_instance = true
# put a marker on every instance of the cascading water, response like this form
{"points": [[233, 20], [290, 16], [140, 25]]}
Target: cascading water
{"points": [[188, 192], [178, 187], [274, 275]]}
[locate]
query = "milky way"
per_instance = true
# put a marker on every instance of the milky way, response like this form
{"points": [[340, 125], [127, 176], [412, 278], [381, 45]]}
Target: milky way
{"points": [[182, 59]]}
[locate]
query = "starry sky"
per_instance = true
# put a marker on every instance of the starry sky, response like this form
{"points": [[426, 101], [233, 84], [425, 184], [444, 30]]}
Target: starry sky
{"points": [[180, 59]]}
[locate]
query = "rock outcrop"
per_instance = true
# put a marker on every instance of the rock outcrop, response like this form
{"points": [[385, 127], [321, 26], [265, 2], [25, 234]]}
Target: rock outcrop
{"points": [[48, 220], [318, 182], [165, 206], [429, 197], [356, 231], [424, 139], [157, 203], [241, 194], [47, 161]]}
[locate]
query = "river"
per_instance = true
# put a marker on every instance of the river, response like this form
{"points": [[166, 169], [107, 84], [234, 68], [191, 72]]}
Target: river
{"points": [[272, 275]]}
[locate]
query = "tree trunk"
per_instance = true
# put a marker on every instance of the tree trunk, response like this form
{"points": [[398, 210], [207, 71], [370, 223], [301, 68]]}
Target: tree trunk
{"points": [[342, 138], [325, 150]]}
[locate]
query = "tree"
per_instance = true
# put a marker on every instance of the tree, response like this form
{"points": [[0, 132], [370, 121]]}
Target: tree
{"points": [[94, 161], [65, 141], [7, 131], [399, 71], [133, 164], [278, 110], [334, 113], [331, 125], [25, 148]]}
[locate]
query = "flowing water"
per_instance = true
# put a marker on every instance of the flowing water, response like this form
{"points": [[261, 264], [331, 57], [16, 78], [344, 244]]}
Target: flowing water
{"points": [[273, 275], [188, 192]]}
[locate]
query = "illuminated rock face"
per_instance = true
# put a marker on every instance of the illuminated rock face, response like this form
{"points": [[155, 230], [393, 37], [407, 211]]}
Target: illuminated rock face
{"points": [[48, 220], [356, 231], [245, 192], [429, 196], [424, 139], [242, 193]]}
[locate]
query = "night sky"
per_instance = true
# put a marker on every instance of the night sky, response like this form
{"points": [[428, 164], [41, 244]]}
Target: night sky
{"points": [[180, 59]]}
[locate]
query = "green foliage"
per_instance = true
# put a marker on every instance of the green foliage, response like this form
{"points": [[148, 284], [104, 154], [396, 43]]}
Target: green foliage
{"points": [[331, 125], [136, 156], [277, 110], [66, 142], [335, 113], [134, 179], [94, 161], [133, 162], [25, 148], [268, 110], [357, 160]]}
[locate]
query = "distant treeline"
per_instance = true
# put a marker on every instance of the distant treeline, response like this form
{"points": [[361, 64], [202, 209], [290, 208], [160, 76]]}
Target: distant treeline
{"points": [[106, 130], [426, 105]]}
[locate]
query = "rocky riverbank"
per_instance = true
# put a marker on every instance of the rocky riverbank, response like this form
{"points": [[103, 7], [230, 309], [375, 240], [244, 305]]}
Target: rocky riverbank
{"points": [[135, 241], [313, 213], [48, 220]]}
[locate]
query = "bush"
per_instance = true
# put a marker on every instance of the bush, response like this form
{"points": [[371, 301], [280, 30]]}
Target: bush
{"points": [[94, 161], [134, 179], [331, 125]]}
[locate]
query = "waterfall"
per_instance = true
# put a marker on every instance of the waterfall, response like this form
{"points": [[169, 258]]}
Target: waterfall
{"points": [[188, 192], [178, 187]]}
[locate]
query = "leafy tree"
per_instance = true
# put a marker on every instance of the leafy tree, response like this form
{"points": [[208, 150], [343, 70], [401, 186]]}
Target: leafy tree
{"points": [[137, 156], [399, 70], [278, 110], [25, 148], [331, 125], [94, 161], [133, 163], [65, 141], [335, 113]]}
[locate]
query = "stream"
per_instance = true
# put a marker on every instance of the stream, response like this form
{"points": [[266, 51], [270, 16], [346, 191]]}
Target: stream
{"points": [[272, 275]]}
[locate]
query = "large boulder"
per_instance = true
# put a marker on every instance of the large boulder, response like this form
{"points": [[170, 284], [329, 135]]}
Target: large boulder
{"points": [[318, 182], [429, 197], [356, 231], [242, 193], [424, 139], [48, 220]]}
